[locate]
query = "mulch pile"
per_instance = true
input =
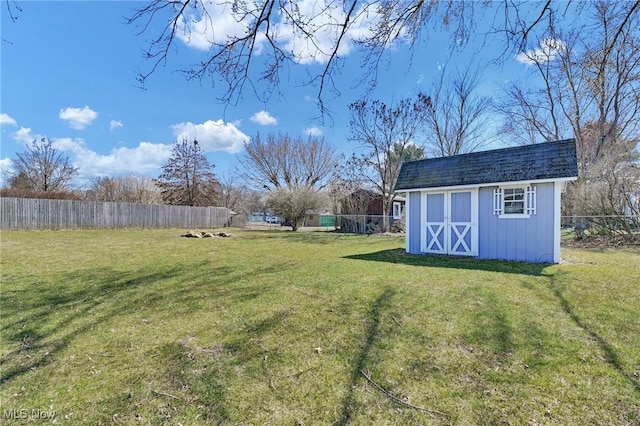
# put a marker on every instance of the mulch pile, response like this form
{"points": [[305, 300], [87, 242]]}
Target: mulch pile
{"points": [[605, 241]]}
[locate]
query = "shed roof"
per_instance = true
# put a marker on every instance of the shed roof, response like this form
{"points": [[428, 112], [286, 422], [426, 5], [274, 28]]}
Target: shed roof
{"points": [[543, 161]]}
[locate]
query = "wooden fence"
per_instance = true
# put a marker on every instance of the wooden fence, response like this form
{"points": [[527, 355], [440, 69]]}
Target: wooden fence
{"points": [[31, 213]]}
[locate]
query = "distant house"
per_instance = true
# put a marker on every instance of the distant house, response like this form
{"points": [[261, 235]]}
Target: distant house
{"points": [[500, 204], [320, 218], [367, 202], [265, 216], [362, 211]]}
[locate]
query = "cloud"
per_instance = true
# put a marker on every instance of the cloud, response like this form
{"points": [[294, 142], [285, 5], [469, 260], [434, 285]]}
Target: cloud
{"points": [[6, 168], [264, 118], [24, 136], [548, 50], [201, 30], [78, 118], [212, 135], [6, 120], [314, 131], [146, 158], [115, 124], [221, 21]]}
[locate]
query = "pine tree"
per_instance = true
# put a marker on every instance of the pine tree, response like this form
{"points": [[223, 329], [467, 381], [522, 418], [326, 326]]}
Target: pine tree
{"points": [[187, 179]]}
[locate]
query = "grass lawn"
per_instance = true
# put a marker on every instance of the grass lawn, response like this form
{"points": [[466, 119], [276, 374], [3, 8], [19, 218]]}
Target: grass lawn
{"points": [[125, 327]]}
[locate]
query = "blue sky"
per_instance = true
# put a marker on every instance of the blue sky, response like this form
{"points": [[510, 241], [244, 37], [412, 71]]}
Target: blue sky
{"points": [[68, 72]]}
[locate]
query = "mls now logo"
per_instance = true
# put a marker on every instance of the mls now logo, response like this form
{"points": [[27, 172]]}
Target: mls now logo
{"points": [[24, 414]]}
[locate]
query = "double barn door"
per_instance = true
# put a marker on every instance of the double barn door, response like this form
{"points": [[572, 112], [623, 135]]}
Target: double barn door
{"points": [[450, 223]]}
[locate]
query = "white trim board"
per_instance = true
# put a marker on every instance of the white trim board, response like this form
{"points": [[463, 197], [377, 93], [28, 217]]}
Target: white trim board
{"points": [[483, 185]]}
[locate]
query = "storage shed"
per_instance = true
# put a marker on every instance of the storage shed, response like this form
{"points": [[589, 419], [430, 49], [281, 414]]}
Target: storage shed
{"points": [[499, 204]]}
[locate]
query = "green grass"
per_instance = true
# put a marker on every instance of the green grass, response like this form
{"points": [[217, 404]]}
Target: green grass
{"points": [[144, 327]]}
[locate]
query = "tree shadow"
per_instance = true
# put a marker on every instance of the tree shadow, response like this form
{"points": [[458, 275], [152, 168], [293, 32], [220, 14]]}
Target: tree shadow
{"points": [[45, 308], [609, 352], [46, 317], [372, 333], [399, 256], [492, 326]]}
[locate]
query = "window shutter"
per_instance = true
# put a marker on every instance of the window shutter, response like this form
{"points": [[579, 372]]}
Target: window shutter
{"points": [[531, 200], [497, 201]]}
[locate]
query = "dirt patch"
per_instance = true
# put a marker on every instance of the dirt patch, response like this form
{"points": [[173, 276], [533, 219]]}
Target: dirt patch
{"points": [[605, 241]]}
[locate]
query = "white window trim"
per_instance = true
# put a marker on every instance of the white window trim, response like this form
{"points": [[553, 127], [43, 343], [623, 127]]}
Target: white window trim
{"points": [[529, 201], [399, 210]]}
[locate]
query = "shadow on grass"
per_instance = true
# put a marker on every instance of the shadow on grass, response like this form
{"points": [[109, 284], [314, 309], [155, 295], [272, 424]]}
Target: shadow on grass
{"points": [[610, 354], [47, 317], [491, 323], [399, 256], [39, 309], [372, 333]]}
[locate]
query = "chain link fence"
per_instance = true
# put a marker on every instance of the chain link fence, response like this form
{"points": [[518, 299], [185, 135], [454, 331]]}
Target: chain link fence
{"points": [[354, 224], [602, 225]]}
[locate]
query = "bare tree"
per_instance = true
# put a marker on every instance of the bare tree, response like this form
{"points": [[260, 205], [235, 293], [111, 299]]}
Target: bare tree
{"points": [[125, 189], [187, 178], [263, 37], [292, 170], [41, 167], [584, 83], [349, 192], [384, 134], [287, 162], [458, 116], [293, 204], [236, 195]]}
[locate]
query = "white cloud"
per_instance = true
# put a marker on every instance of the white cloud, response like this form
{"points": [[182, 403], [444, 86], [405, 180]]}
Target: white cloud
{"points": [[264, 118], [212, 135], [115, 124], [146, 158], [314, 131], [5, 119], [78, 118], [24, 136], [223, 21], [547, 51], [143, 159], [6, 168], [202, 30]]}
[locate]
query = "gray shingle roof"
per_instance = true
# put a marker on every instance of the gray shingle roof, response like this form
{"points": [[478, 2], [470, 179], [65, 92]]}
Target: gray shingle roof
{"points": [[548, 160]]}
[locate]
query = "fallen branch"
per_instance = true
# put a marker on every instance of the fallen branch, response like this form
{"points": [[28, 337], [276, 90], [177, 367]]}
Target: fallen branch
{"points": [[398, 400], [104, 355], [396, 321], [271, 385], [165, 394]]}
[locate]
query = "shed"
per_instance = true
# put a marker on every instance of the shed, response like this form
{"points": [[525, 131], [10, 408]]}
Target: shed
{"points": [[498, 204]]}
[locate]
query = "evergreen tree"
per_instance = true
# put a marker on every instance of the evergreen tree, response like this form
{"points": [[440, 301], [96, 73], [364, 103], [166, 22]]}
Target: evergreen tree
{"points": [[187, 179]]}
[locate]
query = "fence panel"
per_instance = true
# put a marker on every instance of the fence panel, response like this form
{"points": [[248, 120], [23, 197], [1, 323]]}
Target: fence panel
{"points": [[32, 213], [598, 225]]}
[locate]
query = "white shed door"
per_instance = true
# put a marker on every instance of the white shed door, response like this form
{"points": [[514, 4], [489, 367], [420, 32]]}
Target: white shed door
{"points": [[450, 223]]}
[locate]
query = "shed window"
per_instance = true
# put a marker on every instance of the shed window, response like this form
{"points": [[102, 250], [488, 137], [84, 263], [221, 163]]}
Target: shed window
{"points": [[397, 210], [514, 201]]}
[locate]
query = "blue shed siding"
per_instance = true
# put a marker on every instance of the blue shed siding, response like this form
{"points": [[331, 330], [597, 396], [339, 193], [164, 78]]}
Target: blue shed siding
{"points": [[435, 207], [460, 206], [414, 222], [523, 239]]}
